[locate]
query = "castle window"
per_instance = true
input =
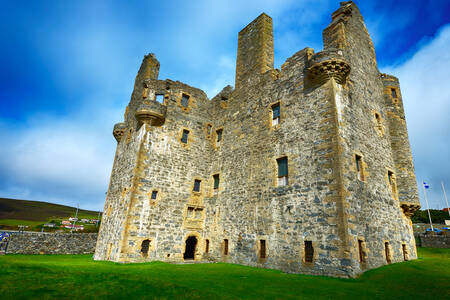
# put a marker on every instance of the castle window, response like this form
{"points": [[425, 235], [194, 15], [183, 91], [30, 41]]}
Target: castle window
{"points": [[262, 248], [216, 178], [282, 178], [219, 133], [309, 252], [197, 183], [392, 183], [154, 195], [159, 98], [405, 252], [185, 100], [387, 252], [225, 247], [359, 167], [223, 98], [184, 136], [378, 119], [208, 129], [144, 247], [145, 92], [276, 114], [361, 251], [206, 246], [191, 213], [393, 93]]}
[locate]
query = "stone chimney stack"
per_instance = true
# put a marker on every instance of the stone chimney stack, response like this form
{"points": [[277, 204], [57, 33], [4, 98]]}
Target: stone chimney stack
{"points": [[255, 50]]}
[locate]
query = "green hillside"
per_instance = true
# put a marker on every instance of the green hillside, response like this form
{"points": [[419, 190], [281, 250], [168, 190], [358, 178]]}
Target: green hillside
{"points": [[15, 212]]}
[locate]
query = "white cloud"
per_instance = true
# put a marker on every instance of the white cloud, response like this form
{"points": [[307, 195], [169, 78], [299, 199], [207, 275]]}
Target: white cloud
{"points": [[424, 80]]}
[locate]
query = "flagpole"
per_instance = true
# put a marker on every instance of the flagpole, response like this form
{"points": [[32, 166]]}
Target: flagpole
{"points": [[445, 196], [428, 207]]}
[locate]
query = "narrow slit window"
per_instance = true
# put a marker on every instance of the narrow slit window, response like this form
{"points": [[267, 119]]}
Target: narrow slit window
{"points": [[159, 98], [216, 182], [197, 184], [191, 213], [309, 252], [219, 133], [185, 136], [225, 247], [361, 251], [185, 100], [145, 92], [359, 167], [393, 93], [405, 252], [154, 195], [275, 114], [207, 246], [282, 171], [378, 119], [392, 183], [387, 252], [262, 249], [208, 129], [144, 247]]}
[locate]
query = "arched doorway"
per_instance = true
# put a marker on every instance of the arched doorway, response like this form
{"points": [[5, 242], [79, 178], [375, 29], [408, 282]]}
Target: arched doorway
{"points": [[189, 251]]}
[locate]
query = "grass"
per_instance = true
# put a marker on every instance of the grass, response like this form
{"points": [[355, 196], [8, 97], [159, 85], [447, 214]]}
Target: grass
{"points": [[78, 276]]}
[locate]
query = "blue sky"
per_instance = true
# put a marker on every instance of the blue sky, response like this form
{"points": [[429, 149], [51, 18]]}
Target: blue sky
{"points": [[67, 72]]}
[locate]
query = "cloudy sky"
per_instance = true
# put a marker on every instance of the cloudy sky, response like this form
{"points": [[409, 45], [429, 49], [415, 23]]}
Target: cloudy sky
{"points": [[67, 72]]}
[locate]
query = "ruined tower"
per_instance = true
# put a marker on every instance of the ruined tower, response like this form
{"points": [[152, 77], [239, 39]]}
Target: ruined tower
{"points": [[306, 169]]}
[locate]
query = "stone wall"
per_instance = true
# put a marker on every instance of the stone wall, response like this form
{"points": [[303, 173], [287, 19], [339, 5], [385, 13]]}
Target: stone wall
{"points": [[52, 243], [433, 240]]}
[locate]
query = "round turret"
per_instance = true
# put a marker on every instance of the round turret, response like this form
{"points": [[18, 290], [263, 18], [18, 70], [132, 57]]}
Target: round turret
{"points": [[328, 64], [151, 112]]}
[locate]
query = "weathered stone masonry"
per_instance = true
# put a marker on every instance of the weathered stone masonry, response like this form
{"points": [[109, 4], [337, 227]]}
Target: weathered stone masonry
{"points": [[207, 180]]}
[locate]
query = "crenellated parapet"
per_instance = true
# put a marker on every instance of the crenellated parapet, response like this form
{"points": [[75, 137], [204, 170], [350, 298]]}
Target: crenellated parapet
{"points": [[151, 112], [328, 64], [119, 130]]}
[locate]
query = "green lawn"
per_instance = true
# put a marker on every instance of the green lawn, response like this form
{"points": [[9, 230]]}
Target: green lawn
{"points": [[79, 277]]}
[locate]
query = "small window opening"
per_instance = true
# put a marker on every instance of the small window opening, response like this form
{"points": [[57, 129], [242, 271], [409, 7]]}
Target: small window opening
{"points": [[185, 100], [219, 133], [282, 171], [405, 252], [207, 246], [275, 114], [225, 247], [393, 93], [145, 92], [387, 252], [392, 182], [208, 129], [378, 119], [191, 213], [154, 195], [159, 98], [309, 251], [198, 213], [224, 98], [361, 251], [144, 247], [359, 167], [185, 136], [197, 183], [262, 249], [216, 182]]}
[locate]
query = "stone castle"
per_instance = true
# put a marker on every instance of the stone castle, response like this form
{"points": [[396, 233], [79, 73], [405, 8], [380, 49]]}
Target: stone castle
{"points": [[307, 169]]}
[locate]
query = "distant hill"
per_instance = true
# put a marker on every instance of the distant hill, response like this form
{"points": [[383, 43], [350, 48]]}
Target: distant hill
{"points": [[13, 209]]}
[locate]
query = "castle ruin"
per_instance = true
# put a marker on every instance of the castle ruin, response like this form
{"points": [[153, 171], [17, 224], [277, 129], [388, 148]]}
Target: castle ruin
{"points": [[307, 169]]}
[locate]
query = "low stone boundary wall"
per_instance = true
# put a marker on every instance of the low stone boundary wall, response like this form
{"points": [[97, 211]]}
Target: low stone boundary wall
{"points": [[52, 243], [433, 240]]}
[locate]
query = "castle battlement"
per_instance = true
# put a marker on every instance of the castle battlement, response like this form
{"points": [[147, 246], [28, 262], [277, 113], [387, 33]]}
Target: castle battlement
{"points": [[307, 169]]}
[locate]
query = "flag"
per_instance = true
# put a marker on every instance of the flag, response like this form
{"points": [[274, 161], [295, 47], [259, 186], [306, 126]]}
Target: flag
{"points": [[425, 185]]}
